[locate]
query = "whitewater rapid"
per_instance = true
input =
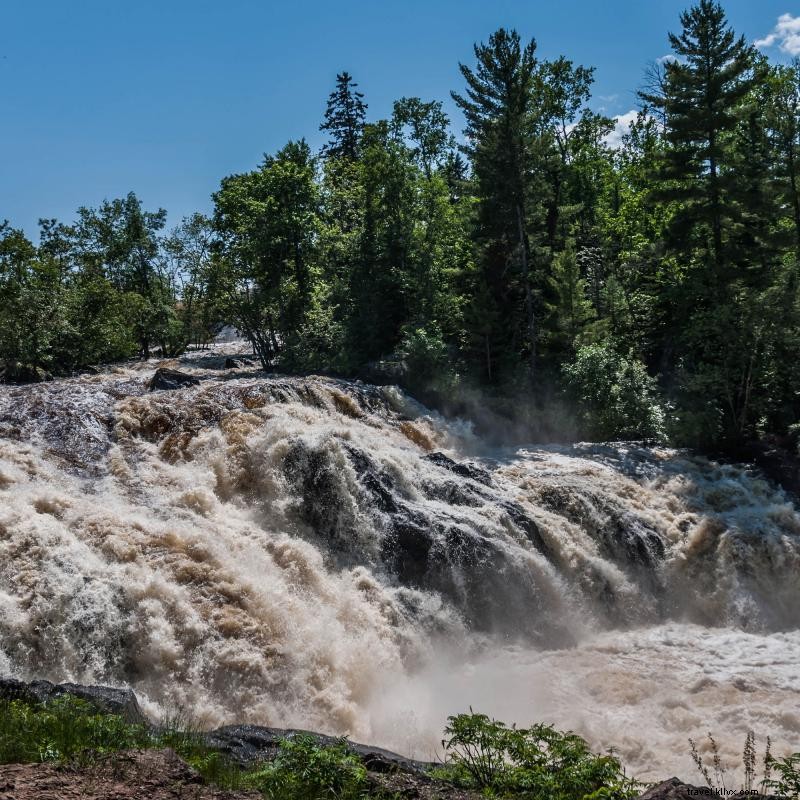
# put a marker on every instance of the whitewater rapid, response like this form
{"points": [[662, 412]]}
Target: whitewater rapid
{"points": [[324, 554]]}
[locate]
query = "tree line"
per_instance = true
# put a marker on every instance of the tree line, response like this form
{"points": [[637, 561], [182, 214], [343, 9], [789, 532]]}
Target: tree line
{"points": [[644, 289]]}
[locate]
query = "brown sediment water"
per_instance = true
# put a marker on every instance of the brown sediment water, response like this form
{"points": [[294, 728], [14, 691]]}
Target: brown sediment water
{"points": [[325, 554]]}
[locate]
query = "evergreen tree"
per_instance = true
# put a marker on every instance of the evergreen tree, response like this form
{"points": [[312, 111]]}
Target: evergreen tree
{"points": [[782, 99], [344, 119], [499, 107], [703, 90]]}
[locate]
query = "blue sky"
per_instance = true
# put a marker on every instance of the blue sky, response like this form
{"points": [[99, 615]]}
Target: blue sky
{"points": [[164, 98]]}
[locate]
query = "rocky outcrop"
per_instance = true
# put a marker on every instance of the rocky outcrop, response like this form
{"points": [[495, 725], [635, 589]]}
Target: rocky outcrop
{"points": [[244, 744], [237, 363], [247, 744], [108, 700], [17, 372], [675, 789], [166, 379], [161, 774]]}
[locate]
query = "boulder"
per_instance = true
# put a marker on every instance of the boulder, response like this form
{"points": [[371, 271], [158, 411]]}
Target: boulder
{"points": [[17, 372], [675, 789], [465, 469], [104, 698], [247, 744], [165, 379], [238, 363]]}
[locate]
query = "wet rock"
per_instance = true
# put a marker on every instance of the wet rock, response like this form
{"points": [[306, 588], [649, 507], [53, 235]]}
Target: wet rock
{"points": [[105, 698], [247, 744], [166, 379], [778, 457], [17, 372], [464, 469], [391, 370], [236, 363]]}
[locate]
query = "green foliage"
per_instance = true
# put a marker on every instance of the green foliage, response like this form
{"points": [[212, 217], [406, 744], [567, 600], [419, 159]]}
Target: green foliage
{"points": [[65, 729], [344, 119], [70, 730], [787, 782], [536, 763], [306, 770], [616, 396], [426, 357]]}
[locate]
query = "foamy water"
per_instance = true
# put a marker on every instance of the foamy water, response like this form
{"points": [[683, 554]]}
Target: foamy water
{"points": [[315, 553]]}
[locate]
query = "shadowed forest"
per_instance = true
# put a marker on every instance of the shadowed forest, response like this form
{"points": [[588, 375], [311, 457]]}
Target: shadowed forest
{"points": [[646, 288]]}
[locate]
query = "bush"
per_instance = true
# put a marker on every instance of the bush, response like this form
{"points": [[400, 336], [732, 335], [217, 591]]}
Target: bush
{"points": [[306, 770], [788, 770], [616, 397], [426, 356], [536, 763]]}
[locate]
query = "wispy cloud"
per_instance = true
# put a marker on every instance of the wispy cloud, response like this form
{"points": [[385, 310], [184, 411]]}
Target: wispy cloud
{"points": [[786, 35], [666, 59], [622, 124]]}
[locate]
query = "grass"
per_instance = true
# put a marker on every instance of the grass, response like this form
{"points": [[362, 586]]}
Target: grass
{"points": [[70, 730]]}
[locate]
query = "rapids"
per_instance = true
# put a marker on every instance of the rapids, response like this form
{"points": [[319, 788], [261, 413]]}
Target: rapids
{"points": [[325, 554]]}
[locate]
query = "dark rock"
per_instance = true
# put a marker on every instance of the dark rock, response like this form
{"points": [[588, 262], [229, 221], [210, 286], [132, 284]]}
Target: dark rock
{"points": [[777, 457], [169, 379], [675, 789], [528, 527], [672, 789], [251, 743], [105, 698], [233, 363], [465, 470], [391, 370], [17, 372]]}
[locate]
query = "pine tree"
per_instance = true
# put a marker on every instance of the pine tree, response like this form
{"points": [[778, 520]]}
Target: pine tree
{"points": [[703, 88], [344, 119], [498, 106], [783, 113]]}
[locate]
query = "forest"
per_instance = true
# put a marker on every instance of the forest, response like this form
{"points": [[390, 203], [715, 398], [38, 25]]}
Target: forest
{"points": [[587, 288]]}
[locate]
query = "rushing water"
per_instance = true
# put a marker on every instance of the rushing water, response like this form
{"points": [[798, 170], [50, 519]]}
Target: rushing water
{"points": [[331, 555]]}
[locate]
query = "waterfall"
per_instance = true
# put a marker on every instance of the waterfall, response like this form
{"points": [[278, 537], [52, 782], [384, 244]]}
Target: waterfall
{"points": [[332, 555]]}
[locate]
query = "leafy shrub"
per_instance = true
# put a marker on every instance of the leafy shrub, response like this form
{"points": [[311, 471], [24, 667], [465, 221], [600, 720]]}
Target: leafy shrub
{"points": [[788, 770], [536, 763], [64, 729], [426, 356], [615, 395], [307, 770]]}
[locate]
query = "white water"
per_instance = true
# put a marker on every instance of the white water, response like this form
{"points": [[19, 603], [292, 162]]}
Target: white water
{"points": [[286, 551]]}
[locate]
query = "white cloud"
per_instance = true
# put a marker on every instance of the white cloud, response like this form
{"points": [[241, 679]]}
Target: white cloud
{"points": [[622, 124], [666, 59], [786, 34]]}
